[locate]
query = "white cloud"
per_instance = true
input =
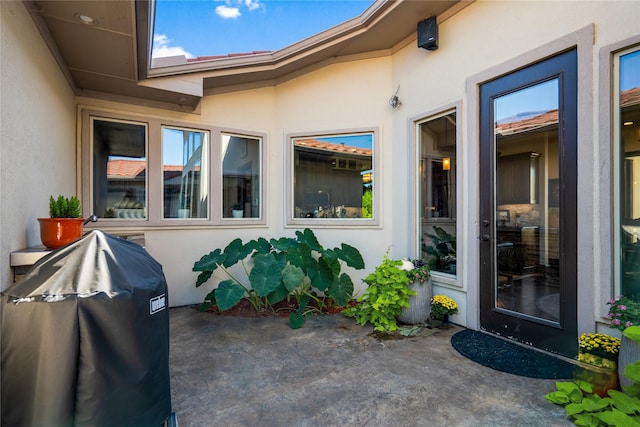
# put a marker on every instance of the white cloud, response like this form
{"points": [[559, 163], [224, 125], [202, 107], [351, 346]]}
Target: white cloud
{"points": [[252, 4], [231, 8], [162, 49], [227, 12]]}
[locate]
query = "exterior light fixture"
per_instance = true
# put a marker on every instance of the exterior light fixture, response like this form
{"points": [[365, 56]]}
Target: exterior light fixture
{"points": [[85, 19], [446, 163], [394, 101]]}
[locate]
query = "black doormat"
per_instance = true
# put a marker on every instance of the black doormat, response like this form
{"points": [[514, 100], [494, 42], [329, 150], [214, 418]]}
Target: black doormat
{"points": [[505, 356]]}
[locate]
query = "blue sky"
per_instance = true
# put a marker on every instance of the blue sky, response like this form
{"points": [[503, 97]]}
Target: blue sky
{"points": [[219, 27]]}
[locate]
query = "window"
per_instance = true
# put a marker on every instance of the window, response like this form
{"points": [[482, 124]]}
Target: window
{"points": [[437, 191], [628, 131], [148, 171], [241, 160], [185, 173], [119, 169], [333, 178]]}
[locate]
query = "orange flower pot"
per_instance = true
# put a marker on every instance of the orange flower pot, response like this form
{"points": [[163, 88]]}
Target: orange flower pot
{"points": [[57, 232]]}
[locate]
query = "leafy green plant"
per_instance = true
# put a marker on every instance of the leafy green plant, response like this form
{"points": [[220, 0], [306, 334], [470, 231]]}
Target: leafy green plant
{"points": [[587, 408], [442, 251], [64, 207], [279, 268], [387, 293]]}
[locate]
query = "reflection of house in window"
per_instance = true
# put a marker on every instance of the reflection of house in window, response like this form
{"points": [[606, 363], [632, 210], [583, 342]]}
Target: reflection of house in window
{"points": [[119, 169], [332, 179]]}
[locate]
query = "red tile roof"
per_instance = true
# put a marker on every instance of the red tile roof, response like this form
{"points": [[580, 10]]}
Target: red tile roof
{"points": [[332, 147], [123, 168]]}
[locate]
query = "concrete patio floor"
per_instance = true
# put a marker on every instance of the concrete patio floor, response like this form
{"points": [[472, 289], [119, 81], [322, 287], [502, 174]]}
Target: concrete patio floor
{"points": [[231, 371]]}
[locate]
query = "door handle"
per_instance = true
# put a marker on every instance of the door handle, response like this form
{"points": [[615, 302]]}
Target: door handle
{"points": [[484, 237]]}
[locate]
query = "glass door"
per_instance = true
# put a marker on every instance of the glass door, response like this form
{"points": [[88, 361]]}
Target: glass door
{"points": [[528, 202]]}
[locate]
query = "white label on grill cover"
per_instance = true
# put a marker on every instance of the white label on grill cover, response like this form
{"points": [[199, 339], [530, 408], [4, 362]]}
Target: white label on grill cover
{"points": [[157, 304]]}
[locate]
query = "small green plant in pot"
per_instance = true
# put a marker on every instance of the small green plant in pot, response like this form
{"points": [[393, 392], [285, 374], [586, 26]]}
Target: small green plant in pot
{"points": [[441, 308], [387, 293], [64, 224]]}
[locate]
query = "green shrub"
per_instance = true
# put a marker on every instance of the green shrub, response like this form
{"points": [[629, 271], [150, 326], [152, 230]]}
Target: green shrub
{"points": [[387, 293]]}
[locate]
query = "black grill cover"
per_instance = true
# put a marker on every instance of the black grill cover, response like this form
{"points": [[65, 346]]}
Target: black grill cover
{"points": [[85, 339]]}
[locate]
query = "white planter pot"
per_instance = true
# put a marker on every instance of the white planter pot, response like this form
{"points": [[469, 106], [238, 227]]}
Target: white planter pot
{"points": [[629, 353], [419, 305], [237, 213]]}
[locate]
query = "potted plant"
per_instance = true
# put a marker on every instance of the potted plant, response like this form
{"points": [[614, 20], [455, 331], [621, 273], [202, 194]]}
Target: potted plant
{"points": [[441, 308], [420, 282], [64, 224], [237, 211], [624, 313], [387, 293]]}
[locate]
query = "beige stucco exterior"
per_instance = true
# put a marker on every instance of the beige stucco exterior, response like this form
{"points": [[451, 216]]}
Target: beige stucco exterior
{"points": [[41, 117]]}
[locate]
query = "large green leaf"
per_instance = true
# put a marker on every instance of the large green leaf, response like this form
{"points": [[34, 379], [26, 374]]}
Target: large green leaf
{"points": [[632, 371], [278, 294], [617, 418], [322, 275], [292, 277], [266, 274], [299, 255], [283, 244], [594, 403], [351, 256], [307, 237], [236, 251], [341, 290], [228, 294], [210, 261], [627, 404], [261, 246], [203, 277], [633, 333]]}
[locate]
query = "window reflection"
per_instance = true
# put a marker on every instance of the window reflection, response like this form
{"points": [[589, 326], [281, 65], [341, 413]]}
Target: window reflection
{"points": [[240, 177], [629, 98], [333, 177], [438, 192], [185, 173], [119, 169]]}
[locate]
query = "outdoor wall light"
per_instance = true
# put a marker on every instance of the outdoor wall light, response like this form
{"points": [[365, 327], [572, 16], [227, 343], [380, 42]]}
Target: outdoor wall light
{"points": [[394, 101], [446, 163]]}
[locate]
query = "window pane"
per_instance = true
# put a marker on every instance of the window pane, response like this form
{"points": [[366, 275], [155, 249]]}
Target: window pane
{"points": [[119, 169], [437, 192], [629, 83], [184, 173], [333, 177], [241, 177]]}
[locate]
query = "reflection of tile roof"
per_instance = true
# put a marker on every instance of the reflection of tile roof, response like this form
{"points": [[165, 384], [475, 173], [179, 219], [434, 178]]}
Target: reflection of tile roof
{"points": [[137, 168], [335, 148], [536, 122], [126, 168], [627, 98], [630, 97]]}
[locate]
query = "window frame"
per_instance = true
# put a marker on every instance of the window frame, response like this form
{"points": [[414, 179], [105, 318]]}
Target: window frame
{"points": [[449, 280], [291, 221], [154, 176], [617, 167]]}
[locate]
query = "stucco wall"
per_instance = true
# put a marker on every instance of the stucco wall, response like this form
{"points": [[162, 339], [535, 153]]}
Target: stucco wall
{"points": [[340, 96], [37, 135]]}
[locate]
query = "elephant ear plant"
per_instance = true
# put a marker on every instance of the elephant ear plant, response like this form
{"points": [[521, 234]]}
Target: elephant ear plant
{"points": [[277, 269]]}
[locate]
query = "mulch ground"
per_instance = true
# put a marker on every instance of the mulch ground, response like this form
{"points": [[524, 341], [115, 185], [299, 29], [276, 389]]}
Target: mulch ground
{"points": [[281, 309]]}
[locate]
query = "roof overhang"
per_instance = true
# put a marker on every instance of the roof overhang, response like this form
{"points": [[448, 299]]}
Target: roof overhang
{"points": [[110, 58]]}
